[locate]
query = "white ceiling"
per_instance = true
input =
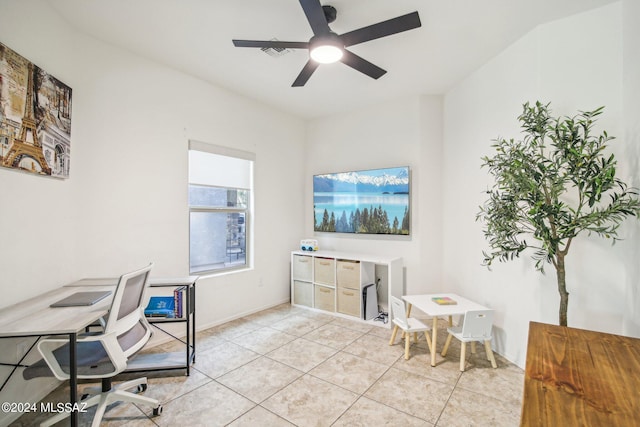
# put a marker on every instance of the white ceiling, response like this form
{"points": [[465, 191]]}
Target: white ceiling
{"points": [[194, 36]]}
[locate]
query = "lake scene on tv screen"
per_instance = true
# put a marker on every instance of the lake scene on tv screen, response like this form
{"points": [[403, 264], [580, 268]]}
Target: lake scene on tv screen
{"points": [[372, 201]]}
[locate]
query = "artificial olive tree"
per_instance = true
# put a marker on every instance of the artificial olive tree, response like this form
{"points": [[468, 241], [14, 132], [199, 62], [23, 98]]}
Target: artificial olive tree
{"points": [[552, 185]]}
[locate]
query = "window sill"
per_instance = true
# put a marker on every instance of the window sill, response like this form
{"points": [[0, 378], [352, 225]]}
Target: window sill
{"points": [[211, 274]]}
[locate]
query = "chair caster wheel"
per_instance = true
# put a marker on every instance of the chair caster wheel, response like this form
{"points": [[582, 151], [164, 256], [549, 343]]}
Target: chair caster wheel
{"points": [[157, 411], [142, 388]]}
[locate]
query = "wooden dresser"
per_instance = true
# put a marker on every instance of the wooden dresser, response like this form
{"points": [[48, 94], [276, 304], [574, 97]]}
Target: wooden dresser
{"points": [[576, 377]]}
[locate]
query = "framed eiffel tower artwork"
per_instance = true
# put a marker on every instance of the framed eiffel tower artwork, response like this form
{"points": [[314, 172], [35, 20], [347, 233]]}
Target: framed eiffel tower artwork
{"points": [[35, 118]]}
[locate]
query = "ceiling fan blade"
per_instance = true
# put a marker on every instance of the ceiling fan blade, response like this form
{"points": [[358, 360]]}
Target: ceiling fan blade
{"points": [[362, 65], [306, 72], [271, 43], [315, 16], [382, 29]]}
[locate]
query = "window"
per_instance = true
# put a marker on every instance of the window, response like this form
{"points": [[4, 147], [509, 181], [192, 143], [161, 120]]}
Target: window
{"points": [[220, 183]]}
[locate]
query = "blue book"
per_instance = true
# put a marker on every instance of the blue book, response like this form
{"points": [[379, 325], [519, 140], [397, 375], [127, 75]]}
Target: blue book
{"points": [[160, 307]]}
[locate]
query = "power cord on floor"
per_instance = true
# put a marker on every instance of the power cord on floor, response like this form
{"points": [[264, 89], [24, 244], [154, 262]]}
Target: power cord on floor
{"points": [[382, 317]]}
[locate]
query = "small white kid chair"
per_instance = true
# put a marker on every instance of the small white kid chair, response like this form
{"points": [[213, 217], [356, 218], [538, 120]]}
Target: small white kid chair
{"points": [[477, 325], [409, 325]]}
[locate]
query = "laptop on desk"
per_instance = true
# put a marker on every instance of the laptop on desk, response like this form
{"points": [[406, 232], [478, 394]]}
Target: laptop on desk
{"points": [[81, 299]]}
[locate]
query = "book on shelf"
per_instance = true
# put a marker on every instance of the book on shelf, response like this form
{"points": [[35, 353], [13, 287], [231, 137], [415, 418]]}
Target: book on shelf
{"points": [[178, 296], [168, 307], [160, 306], [444, 301]]}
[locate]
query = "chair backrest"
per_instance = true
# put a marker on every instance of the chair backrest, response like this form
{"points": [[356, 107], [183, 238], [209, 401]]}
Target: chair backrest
{"points": [[126, 316], [477, 324], [399, 311]]}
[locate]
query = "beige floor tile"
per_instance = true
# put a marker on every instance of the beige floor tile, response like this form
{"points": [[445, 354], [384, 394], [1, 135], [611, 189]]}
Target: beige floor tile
{"points": [[334, 336], [210, 405], [231, 329], [118, 414], [318, 315], [310, 401], [366, 412], [259, 416], [208, 341], [34, 418], [260, 378], [166, 386], [223, 359], [272, 315], [445, 371], [338, 355], [122, 414], [298, 325], [289, 309], [348, 371], [373, 347], [412, 394], [381, 330], [263, 340], [352, 324], [466, 408], [488, 381], [302, 354]]}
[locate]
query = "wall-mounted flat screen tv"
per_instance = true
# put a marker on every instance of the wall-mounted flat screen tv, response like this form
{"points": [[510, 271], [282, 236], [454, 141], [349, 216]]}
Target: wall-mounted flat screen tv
{"points": [[374, 201]]}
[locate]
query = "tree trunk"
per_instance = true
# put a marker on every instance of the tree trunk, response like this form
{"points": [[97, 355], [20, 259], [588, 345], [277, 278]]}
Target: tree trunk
{"points": [[562, 289]]}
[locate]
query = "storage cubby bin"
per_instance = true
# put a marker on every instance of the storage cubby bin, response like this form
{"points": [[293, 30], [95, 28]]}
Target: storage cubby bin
{"points": [[325, 298], [348, 273], [302, 267], [324, 271], [349, 301], [302, 294]]}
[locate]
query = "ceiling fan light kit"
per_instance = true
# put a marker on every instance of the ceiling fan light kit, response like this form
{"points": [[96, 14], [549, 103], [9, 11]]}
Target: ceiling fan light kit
{"points": [[326, 49], [326, 46]]}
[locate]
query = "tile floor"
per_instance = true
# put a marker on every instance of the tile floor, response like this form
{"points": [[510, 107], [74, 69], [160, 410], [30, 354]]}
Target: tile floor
{"points": [[287, 366]]}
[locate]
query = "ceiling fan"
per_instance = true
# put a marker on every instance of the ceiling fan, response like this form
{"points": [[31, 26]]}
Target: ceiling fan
{"points": [[326, 46]]}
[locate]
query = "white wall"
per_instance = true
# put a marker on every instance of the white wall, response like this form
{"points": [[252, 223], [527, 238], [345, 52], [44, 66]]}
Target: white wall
{"points": [[576, 64], [401, 132], [631, 115], [126, 201]]}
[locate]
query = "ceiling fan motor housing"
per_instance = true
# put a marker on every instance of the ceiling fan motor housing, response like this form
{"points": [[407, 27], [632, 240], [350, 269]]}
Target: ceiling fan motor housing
{"points": [[330, 38], [330, 13]]}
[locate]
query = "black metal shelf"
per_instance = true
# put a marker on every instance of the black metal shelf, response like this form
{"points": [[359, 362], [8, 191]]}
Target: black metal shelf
{"points": [[175, 360]]}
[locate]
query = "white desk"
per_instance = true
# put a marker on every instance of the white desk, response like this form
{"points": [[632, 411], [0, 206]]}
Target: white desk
{"points": [[96, 282], [425, 304], [34, 317]]}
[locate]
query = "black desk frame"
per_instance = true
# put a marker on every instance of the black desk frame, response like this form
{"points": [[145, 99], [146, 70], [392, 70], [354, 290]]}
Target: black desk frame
{"points": [[73, 369]]}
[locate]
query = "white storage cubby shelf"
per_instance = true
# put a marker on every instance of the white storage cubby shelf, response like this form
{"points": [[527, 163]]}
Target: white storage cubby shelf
{"points": [[333, 282]]}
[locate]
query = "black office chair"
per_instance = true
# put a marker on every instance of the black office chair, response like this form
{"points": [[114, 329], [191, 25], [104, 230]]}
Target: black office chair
{"points": [[104, 355]]}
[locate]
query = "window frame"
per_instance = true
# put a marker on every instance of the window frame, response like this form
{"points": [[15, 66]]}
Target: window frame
{"points": [[247, 210]]}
